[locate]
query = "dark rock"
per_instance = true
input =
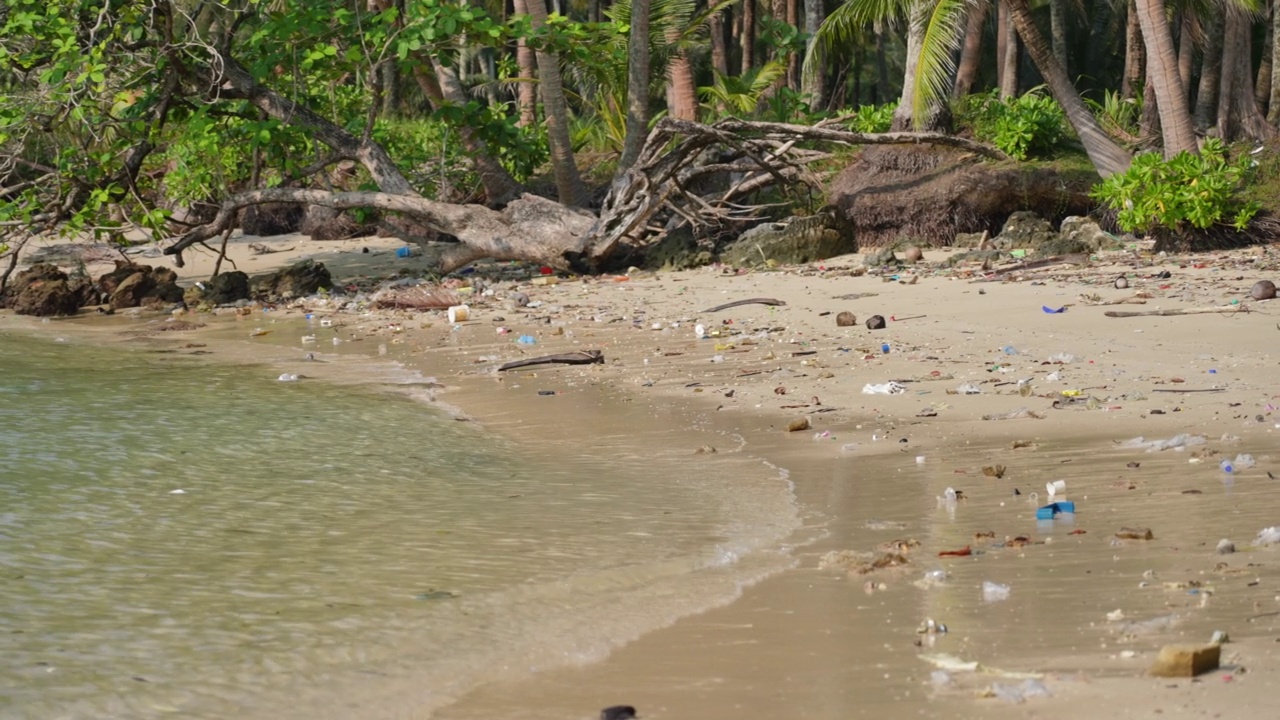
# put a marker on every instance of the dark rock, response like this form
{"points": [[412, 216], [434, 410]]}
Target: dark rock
{"points": [[875, 322], [272, 219], [882, 257], [167, 293], [44, 291], [792, 241], [132, 290], [677, 250], [297, 280], [108, 282], [931, 193], [1089, 233], [323, 223], [225, 288], [1025, 229], [618, 712], [164, 275]]}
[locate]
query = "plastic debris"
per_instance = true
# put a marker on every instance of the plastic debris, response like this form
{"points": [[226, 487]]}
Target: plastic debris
{"points": [[994, 592], [889, 388], [1019, 693], [1054, 311], [527, 340], [1185, 440], [1019, 414], [288, 377], [940, 678], [968, 389], [1268, 536]]}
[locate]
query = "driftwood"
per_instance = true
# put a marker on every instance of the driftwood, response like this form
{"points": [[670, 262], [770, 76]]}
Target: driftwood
{"points": [[1076, 259], [658, 190], [1189, 390], [751, 301], [586, 357], [1227, 309]]}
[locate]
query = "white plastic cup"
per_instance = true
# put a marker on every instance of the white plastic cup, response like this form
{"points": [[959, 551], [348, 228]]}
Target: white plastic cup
{"points": [[1057, 487], [459, 313]]}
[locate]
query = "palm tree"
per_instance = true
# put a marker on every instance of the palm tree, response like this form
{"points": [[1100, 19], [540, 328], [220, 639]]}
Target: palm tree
{"points": [[1162, 69], [933, 33], [637, 85], [569, 184], [1106, 155]]}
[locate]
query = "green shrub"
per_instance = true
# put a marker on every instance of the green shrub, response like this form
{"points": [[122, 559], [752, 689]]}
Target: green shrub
{"points": [[1185, 191], [1021, 127], [872, 118]]}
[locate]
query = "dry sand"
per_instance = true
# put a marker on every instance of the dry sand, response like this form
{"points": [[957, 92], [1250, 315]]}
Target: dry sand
{"points": [[823, 641]]}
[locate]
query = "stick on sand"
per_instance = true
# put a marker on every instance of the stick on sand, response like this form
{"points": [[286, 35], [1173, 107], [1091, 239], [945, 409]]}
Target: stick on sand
{"points": [[1187, 311], [751, 301], [586, 357]]}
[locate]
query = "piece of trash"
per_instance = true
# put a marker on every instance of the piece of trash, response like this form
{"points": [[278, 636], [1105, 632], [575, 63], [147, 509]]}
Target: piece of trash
{"points": [[994, 471], [1055, 488], [527, 340], [1054, 311], [1128, 533], [929, 627], [1186, 660], [994, 592], [884, 348], [962, 552], [288, 377], [459, 313], [179, 491], [940, 678], [547, 392], [875, 322], [1219, 637], [1225, 547], [1052, 510], [435, 595], [933, 578], [1268, 536], [700, 331], [950, 663], [889, 388], [1019, 693], [968, 389], [1185, 440], [846, 319], [1018, 414], [404, 252]]}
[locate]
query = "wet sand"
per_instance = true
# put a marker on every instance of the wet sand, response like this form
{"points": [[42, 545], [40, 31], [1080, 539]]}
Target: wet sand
{"points": [[819, 642]]}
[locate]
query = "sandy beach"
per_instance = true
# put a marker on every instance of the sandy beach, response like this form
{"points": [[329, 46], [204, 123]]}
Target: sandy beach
{"points": [[997, 384]]}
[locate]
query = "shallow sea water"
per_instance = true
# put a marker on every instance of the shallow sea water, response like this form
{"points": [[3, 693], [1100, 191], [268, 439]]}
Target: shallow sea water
{"points": [[180, 537]]}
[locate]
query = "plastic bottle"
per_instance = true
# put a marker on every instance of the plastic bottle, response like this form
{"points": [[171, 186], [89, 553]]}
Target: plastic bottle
{"points": [[884, 348], [1226, 466]]}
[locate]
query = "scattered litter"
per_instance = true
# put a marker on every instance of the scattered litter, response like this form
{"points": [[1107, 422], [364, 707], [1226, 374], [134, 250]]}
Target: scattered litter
{"points": [[1268, 536], [1019, 693], [994, 592], [1219, 637], [1052, 510], [527, 340], [950, 663], [1225, 547], [1062, 358], [1148, 627], [458, 314], [940, 678], [1019, 414], [994, 471], [1054, 311], [1185, 440], [968, 389], [889, 388], [288, 377], [1128, 533], [179, 491]]}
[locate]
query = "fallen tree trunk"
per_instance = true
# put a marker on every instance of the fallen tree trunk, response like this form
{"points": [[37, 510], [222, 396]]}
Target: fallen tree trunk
{"points": [[535, 229]]}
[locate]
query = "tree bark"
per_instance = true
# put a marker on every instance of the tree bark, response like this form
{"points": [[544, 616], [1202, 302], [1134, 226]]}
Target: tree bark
{"points": [[682, 91], [719, 52], [526, 90], [883, 93], [747, 35], [814, 83], [637, 85], [793, 62], [1107, 156], [1162, 69], [1262, 88], [569, 185], [1007, 58], [1135, 55], [1186, 51], [971, 52], [903, 115], [499, 187], [1210, 70], [1058, 31], [1238, 114], [1098, 55], [1273, 107]]}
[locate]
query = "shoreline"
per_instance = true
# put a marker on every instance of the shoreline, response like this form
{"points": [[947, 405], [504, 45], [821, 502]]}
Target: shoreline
{"points": [[960, 339]]}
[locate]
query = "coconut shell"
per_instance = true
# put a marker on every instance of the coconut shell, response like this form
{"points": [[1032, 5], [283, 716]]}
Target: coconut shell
{"points": [[913, 254], [846, 319], [875, 322], [1263, 290]]}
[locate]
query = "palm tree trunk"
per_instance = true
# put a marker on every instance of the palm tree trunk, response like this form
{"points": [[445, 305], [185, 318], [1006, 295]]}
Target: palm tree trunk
{"points": [[1186, 51], [1058, 31], [1107, 156], [1238, 114], [569, 185], [882, 69], [719, 52], [1210, 70], [1162, 69], [793, 63], [1273, 108], [1135, 55], [1149, 123], [1006, 52], [815, 83], [971, 52], [526, 91], [637, 85], [748, 35], [682, 94], [1262, 87], [1100, 40], [902, 115]]}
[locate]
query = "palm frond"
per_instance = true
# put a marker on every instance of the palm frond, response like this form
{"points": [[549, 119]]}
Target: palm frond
{"points": [[842, 27], [943, 33]]}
